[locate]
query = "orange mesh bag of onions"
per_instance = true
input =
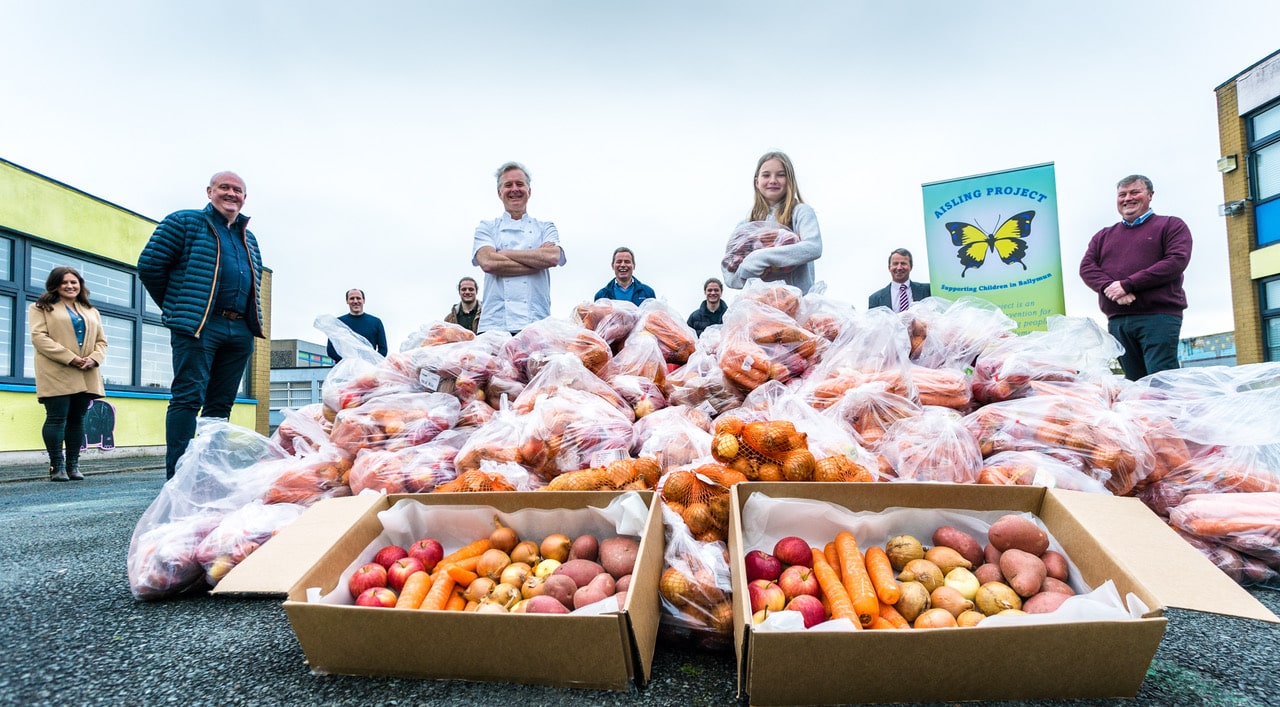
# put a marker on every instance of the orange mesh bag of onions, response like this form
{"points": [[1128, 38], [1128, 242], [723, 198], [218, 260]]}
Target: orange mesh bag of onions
{"points": [[695, 590]]}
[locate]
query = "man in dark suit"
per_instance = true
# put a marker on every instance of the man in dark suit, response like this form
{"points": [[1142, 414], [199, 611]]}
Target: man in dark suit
{"points": [[900, 294]]}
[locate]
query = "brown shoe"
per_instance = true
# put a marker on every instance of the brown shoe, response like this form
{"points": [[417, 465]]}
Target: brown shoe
{"points": [[73, 471], [58, 473]]}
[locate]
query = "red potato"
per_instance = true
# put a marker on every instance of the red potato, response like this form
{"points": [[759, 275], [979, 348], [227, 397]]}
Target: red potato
{"points": [[1023, 571], [990, 554], [586, 596], [585, 547], [561, 588], [580, 571], [544, 604], [1055, 565], [1044, 602], [961, 542], [604, 582], [622, 599], [1052, 584], [618, 555], [1017, 532], [989, 572], [623, 583]]}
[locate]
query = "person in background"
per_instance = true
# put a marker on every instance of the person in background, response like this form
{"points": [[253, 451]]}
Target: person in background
{"points": [[366, 325], [203, 268], [712, 309], [516, 253], [901, 292], [466, 313], [624, 285], [777, 199], [66, 333], [1136, 268]]}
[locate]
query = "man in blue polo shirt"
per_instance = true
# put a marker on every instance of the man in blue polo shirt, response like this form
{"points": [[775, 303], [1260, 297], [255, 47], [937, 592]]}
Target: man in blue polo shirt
{"points": [[624, 285]]}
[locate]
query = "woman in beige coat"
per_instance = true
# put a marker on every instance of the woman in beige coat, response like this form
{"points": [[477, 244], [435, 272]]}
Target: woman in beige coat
{"points": [[66, 332]]}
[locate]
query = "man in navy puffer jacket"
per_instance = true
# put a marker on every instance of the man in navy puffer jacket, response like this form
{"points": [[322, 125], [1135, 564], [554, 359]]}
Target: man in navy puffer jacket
{"points": [[204, 270]]}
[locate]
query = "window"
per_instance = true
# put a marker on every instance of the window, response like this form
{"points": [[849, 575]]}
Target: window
{"points": [[107, 285], [6, 259], [6, 336], [1264, 163], [1271, 319], [117, 368], [138, 354], [157, 360], [291, 394]]}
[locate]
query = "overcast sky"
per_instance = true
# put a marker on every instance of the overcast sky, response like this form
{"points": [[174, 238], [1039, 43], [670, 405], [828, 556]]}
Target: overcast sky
{"points": [[368, 133]]}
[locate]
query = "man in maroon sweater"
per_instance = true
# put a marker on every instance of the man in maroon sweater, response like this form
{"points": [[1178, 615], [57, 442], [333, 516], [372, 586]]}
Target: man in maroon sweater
{"points": [[1136, 268]]}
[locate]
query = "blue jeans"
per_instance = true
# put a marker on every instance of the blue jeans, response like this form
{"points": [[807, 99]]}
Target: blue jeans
{"points": [[64, 425], [206, 375], [1150, 342]]}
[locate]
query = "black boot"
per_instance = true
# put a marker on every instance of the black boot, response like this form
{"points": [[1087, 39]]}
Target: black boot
{"points": [[73, 469], [58, 472]]}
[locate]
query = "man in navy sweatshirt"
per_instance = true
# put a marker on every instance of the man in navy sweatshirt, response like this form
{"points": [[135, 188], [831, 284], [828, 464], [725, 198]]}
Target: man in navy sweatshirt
{"points": [[1136, 268], [366, 325]]}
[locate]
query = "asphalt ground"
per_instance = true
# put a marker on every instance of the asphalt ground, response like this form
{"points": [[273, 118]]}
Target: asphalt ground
{"points": [[72, 634]]}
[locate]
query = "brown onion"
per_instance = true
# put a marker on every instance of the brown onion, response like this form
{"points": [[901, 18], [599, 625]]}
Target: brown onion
{"points": [[504, 538], [951, 599], [935, 618], [491, 564]]}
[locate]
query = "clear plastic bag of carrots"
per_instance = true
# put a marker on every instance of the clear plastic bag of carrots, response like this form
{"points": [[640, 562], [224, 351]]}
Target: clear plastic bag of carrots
{"points": [[932, 446], [947, 334]]}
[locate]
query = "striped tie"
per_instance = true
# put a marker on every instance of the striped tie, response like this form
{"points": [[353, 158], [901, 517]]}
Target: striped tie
{"points": [[903, 301]]}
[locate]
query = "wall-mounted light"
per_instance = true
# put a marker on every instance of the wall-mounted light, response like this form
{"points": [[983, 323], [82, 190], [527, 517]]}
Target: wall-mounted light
{"points": [[1227, 164], [1231, 208]]}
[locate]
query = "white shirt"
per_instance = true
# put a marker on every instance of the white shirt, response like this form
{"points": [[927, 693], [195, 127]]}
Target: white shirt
{"points": [[512, 303]]}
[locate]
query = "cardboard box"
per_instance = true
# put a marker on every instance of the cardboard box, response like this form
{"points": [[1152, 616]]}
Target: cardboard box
{"points": [[1106, 537], [605, 651]]}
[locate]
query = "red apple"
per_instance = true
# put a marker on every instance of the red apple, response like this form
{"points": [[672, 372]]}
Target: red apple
{"points": [[400, 571], [762, 565], [428, 551], [766, 595], [792, 550], [389, 554], [377, 596], [797, 580], [810, 607], [370, 574]]}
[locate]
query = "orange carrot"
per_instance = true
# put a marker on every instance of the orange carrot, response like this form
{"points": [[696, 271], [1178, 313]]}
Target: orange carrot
{"points": [[853, 573], [414, 591], [456, 602], [462, 577], [841, 607], [880, 622], [474, 549], [890, 614], [881, 572], [438, 595], [833, 559], [471, 605]]}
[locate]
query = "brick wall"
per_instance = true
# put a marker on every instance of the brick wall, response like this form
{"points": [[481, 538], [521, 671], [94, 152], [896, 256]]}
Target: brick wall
{"points": [[1233, 138], [260, 368]]}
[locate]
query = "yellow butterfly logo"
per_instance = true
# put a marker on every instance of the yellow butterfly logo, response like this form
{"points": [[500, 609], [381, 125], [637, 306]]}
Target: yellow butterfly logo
{"points": [[1006, 242]]}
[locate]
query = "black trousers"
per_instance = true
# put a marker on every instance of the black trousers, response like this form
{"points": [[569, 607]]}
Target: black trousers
{"points": [[64, 424]]}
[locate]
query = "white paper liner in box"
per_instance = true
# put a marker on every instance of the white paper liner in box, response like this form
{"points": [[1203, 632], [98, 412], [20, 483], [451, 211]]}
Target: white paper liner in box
{"points": [[456, 526], [766, 520]]}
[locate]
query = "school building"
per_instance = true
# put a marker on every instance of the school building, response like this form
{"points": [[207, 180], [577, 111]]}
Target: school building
{"points": [[45, 223], [1249, 135]]}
